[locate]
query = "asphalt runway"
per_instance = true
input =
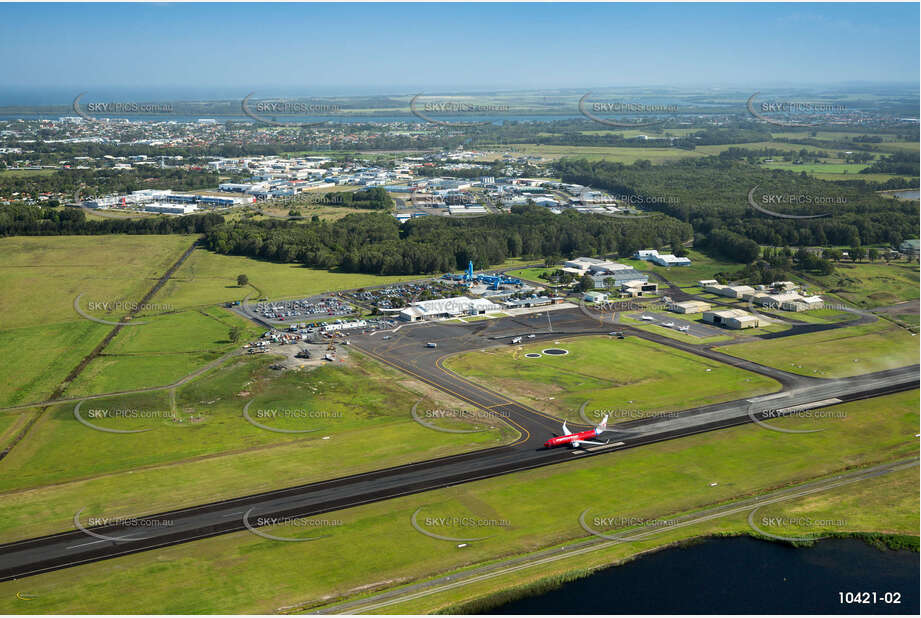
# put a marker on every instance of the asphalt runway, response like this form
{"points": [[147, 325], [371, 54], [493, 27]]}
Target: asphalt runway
{"points": [[406, 350]]}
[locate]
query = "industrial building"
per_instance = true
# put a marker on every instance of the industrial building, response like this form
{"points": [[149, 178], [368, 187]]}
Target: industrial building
{"points": [[788, 301], [170, 209], [732, 318], [730, 291], [534, 301], [638, 287], [661, 259], [595, 297], [690, 306], [441, 308]]}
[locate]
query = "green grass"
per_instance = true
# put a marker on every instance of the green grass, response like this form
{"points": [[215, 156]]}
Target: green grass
{"points": [[628, 377], [26, 173], [850, 170], [209, 278], [866, 177], [42, 275], [375, 546], [833, 354], [886, 504], [201, 445], [870, 285], [532, 274], [626, 155], [39, 358], [42, 335], [702, 267], [360, 396], [161, 351]]}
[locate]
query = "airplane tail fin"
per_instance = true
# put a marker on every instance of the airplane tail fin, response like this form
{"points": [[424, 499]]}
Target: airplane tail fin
{"points": [[602, 426], [565, 429]]}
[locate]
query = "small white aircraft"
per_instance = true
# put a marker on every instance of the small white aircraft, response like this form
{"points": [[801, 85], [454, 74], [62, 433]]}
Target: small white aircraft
{"points": [[684, 329], [648, 318], [668, 324]]}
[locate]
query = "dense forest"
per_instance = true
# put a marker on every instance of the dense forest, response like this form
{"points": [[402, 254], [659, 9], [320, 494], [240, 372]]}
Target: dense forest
{"points": [[378, 244], [711, 194]]}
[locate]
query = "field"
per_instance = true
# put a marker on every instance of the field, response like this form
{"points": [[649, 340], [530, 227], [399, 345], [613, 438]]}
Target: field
{"points": [[628, 378], [374, 547], [199, 444], [209, 278], [41, 277], [702, 267], [26, 173], [625, 155], [844, 169], [164, 349], [532, 274], [870, 285], [833, 354]]}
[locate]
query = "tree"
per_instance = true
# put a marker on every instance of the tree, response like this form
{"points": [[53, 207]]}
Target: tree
{"points": [[872, 254], [856, 253], [235, 333], [586, 283], [242, 280]]}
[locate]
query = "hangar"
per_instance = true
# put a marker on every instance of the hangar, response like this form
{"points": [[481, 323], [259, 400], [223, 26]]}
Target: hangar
{"points": [[732, 318]]}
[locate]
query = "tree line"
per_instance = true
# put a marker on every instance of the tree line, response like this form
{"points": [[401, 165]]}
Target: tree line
{"points": [[26, 220], [376, 243], [711, 194]]}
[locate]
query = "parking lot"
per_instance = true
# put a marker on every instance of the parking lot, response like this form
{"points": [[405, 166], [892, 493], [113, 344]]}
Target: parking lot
{"points": [[399, 296], [315, 308]]}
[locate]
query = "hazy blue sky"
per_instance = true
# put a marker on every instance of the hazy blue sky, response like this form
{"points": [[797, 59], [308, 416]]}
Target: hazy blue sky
{"points": [[349, 48]]}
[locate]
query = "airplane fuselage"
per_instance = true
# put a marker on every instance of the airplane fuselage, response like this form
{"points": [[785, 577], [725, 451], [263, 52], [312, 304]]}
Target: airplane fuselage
{"points": [[571, 438]]}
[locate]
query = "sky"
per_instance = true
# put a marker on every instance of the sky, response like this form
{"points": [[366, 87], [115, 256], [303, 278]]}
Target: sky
{"points": [[325, 49]]}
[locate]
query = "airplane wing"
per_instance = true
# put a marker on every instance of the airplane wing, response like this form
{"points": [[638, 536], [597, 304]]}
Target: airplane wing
{"points": [[581, 442]]}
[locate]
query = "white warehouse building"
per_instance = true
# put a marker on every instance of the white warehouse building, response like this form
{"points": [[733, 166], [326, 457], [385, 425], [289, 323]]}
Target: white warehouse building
{"points": [[448, 308]]}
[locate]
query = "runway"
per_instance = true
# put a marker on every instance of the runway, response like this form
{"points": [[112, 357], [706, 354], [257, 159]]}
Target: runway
{"points": [[406, 350]]}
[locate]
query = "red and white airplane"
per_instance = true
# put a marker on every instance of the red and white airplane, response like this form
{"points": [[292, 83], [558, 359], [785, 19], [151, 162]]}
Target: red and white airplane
{"points": [[576, 440]]}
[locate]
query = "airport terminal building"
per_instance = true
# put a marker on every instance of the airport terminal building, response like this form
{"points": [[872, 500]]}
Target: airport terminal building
{"points": [[442, 308]]}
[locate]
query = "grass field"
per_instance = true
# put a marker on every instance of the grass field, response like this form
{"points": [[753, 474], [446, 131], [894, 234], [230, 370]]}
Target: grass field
{"points": [[26, 173], [532, 274], [42, 275], [702, 267], [718, 148], [844, 169], [200, 443], [43, 336], [833, 354], [374, 547], [870, 285], [867, 177], [360, 396], [161, 351], [628, 378], [608, 153], [209, 278]]}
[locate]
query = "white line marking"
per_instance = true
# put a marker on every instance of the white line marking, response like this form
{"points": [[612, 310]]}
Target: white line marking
{"points": [[85, 544]]}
